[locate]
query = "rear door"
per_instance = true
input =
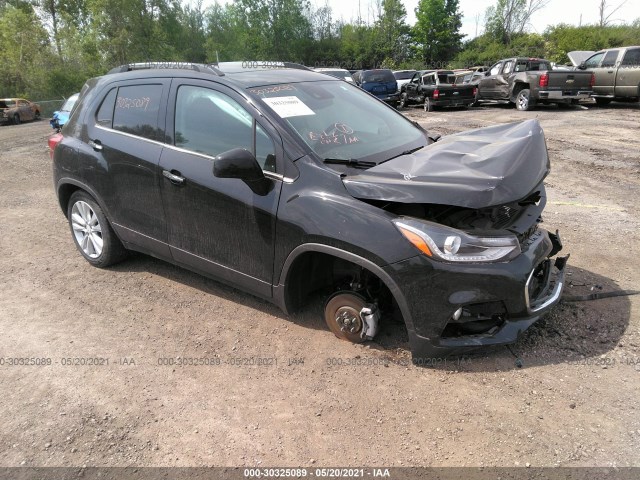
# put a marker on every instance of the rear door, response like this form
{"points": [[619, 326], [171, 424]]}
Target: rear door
{"points": [[220, 226], [628, 75], [119, 159]]}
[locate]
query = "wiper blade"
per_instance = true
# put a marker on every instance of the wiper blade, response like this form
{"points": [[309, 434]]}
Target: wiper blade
{"points": [[406, 152], [351, 162]]}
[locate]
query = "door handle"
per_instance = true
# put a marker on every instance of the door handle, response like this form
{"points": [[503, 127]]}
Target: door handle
{"points": [[174, 178], [96, 145]]}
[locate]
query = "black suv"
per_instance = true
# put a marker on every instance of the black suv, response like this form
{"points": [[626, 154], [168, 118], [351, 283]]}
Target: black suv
{"points": [[284, 182]]}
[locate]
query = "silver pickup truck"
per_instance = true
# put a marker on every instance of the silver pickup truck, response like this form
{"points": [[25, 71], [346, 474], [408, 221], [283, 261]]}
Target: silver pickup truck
{"points": [[617, 72]]}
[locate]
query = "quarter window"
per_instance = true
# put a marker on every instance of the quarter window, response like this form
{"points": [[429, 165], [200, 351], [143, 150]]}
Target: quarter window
{"points": [[211, 123], [104, 116], [136, 110]]}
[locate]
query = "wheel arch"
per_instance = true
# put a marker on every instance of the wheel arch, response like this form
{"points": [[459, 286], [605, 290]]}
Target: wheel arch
{"points": [[68, 186], [289, 290], [517, 87]]}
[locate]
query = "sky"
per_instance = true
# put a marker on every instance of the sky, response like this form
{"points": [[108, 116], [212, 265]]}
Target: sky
{"points": [[558, 11]]}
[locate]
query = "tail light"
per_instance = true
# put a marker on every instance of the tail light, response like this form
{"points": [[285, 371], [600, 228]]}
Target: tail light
{"points": [[592, 83], [54, 140], [436, 94], [544, 80]]}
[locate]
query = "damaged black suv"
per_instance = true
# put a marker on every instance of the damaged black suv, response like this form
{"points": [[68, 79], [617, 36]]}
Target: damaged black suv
{"points": [[284, 182]]}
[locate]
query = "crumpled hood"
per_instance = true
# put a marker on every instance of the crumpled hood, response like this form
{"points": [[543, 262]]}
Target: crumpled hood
{"points": [[475, 169]]}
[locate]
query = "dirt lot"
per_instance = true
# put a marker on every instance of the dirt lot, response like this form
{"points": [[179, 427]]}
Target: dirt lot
{"points": [[573, 402]]}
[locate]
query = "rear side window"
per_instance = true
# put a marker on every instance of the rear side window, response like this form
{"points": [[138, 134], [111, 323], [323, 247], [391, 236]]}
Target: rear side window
{"points": [[610, 58], [136, 110], [508, 67], [632, 58]]}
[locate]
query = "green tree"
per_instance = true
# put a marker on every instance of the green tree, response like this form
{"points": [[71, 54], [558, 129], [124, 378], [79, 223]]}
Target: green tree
{"points": [[437, 30], [392, 36], [24, 52]]}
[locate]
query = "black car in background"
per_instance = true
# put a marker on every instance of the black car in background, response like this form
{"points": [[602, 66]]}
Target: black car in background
{"points": [[380, 83], [436, 88], [284, 182]]}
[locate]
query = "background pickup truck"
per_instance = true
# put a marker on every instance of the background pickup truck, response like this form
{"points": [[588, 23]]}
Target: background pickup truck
{"points": [[434, 88], [617, 72], [530, 81]]}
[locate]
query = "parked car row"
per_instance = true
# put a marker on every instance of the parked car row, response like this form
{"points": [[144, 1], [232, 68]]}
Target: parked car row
{"points": [[607, 75]]}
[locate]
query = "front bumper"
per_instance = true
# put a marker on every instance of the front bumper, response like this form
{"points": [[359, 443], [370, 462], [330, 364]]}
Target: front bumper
{"points": [[498, 301]]}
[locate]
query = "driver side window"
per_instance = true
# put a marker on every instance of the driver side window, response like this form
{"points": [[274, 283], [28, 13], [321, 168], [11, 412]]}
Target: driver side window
{"points": [[210, 122], [594, 61], [495, 70]]}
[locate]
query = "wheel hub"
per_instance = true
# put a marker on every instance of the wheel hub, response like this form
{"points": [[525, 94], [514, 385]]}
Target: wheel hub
{"points": [[348, 320]]}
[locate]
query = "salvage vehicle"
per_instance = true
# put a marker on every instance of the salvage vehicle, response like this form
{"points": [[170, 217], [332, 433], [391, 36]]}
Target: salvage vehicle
{"points": [[380, 83], [403, 77], [526, 82], [287, 183], [61, 116], [16, 110], [436, 89], [617, 73]]}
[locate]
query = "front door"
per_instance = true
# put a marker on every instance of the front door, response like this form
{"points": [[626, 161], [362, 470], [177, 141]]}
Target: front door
{"points": [[220, 226], [487, 87]]}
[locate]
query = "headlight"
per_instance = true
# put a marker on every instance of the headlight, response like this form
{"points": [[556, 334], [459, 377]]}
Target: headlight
{"points": [[451, 245]]}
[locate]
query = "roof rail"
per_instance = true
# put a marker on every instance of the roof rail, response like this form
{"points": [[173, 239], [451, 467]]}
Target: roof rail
{"points": [[197, 67]]}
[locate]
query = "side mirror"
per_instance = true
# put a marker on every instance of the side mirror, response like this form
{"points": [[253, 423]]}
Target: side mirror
{"points": [[237, 163], [583, 66]]}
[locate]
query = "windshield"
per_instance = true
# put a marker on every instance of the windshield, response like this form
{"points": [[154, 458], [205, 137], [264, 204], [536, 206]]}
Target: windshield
{"points": [[340, 121], [7, 103], [68, 105]]}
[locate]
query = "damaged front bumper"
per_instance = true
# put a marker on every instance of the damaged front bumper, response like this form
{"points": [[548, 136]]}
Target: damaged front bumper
{"points": [[454, 308]]}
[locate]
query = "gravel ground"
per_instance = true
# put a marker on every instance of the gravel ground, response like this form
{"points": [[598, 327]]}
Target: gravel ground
{"points": [[316, 400]]}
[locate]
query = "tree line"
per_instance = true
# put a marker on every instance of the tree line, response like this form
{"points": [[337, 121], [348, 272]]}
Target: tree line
{"points": [[48, 48]]}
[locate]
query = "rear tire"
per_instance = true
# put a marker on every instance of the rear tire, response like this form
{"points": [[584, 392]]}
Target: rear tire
{"points": [[428, 105], [524, 102], [403, 100], [37, 116], [92, 233]]}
